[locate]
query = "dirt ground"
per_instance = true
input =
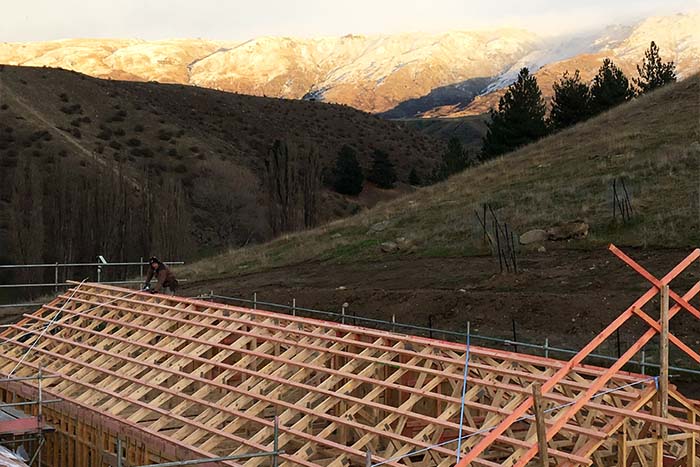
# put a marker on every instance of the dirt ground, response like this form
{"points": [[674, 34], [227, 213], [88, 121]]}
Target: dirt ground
{"points": [[565, 295]]}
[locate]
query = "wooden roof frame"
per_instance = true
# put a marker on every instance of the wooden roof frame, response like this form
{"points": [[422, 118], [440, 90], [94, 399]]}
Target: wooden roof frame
{"points": [[208, 379]]}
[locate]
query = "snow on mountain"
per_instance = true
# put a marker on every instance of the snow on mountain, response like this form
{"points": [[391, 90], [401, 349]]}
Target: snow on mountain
{"points": [[372, 73], [678, 37]]}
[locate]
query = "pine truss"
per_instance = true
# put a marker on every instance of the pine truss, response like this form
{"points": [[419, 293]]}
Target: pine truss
{"points": [[201, 379]]}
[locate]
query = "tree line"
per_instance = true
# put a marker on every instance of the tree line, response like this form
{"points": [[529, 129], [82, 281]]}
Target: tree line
{"points": [[521, 115], [56, 213], [521, 118], [294, 178]]}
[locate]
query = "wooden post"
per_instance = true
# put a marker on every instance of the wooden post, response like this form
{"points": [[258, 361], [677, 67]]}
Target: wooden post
{"points": [[663, 360], [614, 203], [498, 245], [690, 443], [541, 427], [622, 447]]}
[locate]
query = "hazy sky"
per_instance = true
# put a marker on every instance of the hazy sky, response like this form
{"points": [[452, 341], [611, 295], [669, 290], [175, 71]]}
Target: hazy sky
{"points": [[33, 20]]}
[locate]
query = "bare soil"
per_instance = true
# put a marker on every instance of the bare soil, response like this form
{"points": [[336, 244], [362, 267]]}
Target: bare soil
{"points": [[565, 295]]}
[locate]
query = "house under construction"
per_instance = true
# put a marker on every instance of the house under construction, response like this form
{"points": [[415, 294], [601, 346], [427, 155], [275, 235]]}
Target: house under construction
{"points": [[138, 379]]}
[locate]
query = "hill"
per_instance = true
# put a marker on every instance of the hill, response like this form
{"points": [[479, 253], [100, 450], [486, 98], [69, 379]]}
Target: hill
{"points": [[371, 73], [677, 36], [470, 130], [405, 75], [124, 168], [652, 142], [446, 275]]}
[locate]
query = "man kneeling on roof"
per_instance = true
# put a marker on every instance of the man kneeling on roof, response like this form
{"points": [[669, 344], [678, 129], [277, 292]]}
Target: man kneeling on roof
{"points": [[164, 276]]}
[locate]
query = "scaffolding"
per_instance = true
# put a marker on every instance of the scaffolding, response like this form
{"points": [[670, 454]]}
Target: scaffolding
{"points": [[23, 430]]}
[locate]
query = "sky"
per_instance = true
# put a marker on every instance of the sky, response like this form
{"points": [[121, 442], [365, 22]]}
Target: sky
{"points": [[39, 20]]}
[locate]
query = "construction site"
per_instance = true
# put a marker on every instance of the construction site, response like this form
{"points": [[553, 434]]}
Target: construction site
{"points": [[109, 376]]}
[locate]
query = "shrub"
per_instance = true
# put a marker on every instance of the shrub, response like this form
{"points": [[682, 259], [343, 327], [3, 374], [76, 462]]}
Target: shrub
{"points": [[164, 135], [72, 109], [105, 134], [142, 152], [133, 142]]}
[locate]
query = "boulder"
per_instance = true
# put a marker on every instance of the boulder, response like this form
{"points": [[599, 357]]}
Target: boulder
{"points": [[389, 247], [533, 236], [571, 230], [378, 227], [403, 244]]}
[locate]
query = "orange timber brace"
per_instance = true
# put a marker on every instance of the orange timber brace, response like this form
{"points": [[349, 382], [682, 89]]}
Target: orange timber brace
{"points": [[682, 302]]}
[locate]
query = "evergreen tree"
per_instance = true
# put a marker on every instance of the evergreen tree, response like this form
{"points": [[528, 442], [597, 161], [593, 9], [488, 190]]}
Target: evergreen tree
{"points": [[571, 102], [454, 160], [382, 172], [347, 175], [519, 119], [414, 178], [654, 73], [610, 87]]}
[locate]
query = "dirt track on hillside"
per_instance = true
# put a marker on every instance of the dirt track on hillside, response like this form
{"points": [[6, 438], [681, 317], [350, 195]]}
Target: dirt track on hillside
{"points": [[568, 296]]}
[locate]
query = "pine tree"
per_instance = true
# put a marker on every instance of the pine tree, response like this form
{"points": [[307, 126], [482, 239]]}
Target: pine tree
{"points": [[382, 172], [347, 175], [414, 178], [571, 102], [519, 119], [653, 73], [610, 87], [454, 160]]}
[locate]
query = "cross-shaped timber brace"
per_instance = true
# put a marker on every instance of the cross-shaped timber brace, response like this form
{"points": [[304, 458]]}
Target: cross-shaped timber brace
{"points": [[682, 302]]}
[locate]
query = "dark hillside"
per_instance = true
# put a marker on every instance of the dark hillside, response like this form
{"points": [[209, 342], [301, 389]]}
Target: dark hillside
{"points": [[123, 169]]}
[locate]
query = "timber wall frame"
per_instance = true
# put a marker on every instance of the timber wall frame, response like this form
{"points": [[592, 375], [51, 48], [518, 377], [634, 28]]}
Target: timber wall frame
{"points": [[177, 378]]}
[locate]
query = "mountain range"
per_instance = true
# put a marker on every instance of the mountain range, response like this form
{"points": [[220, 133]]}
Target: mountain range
{"points": [[402, 76]]}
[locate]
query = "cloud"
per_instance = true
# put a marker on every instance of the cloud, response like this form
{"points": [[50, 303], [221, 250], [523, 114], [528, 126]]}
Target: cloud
{"points": [[235, 20]]}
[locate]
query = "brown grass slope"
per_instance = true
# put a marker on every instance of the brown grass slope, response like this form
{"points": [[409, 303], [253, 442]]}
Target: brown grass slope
{"points": [[653, 142], [210, 143]]}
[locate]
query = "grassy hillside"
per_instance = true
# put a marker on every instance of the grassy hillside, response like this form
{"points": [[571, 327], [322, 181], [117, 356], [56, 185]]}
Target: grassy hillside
{"points": [[469, 130], [172, 157], [652, 142]]}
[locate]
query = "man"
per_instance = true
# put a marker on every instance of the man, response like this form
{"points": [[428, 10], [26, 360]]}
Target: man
{"points": [[164, 276]]}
